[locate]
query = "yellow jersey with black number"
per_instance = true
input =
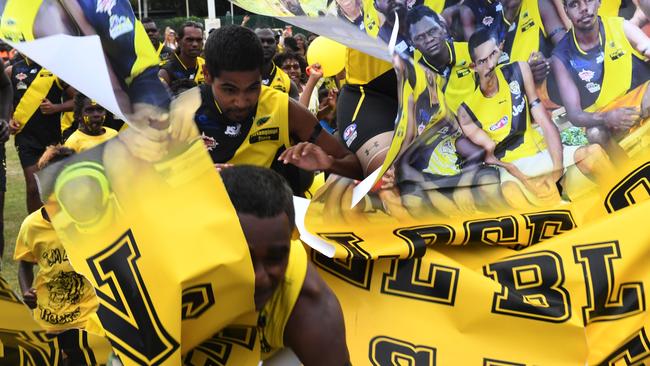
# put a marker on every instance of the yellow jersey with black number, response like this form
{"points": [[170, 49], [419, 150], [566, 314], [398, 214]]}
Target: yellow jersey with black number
{"points": [[274, 316], [80, 141], [524, 35], [278, 80], [506, 117], [254, 141], [607, 71], [455, 81], [65, 299]]}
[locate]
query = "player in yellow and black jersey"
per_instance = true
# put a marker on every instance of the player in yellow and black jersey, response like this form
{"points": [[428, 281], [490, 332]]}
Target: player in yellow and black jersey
{"points": [[36, 120], [273, 76], [498, 117], [154, 35], [603, 74], [296, 308], [243, 122], [186, 62]]}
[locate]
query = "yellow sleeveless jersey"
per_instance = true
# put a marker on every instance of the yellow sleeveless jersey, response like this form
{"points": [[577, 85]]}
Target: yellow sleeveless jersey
{"points": [[618, 68], [505, 117], [528, 35], [609, 8], [275, 314], [455, 82], [278, 80], [18, 18], [80, 141], [255, 141]]}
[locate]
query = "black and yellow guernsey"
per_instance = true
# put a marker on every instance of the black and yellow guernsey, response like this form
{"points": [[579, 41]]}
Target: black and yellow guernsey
{"points": [[606, 71], [506, 117], [32, 83], [255, 140]]}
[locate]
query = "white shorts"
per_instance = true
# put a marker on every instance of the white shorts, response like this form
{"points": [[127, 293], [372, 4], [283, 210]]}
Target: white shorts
{"points": [[536, 165]]}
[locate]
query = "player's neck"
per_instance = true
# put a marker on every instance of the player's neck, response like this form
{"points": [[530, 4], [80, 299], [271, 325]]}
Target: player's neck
{"points": [[99, 132], [588, 38], [267, 69], [441, 60], [188, 61], [489, 85]]}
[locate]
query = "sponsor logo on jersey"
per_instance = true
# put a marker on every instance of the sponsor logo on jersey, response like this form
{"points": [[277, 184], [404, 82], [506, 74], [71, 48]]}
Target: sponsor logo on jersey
{"points": [[517, 109], [233, 131], [265, 134], [119, 25], [262, 121], [105, 6], [500, 124], [514, 88], [586, 75], [593, 87], [21, 76], [488, 20], [209, 141]]}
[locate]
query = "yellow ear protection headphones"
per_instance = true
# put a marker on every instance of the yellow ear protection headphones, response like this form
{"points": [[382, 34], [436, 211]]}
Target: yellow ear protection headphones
{"points": [[95, 171]]}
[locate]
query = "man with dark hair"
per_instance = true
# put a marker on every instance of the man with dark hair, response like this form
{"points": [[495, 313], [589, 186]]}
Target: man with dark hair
{"points": [[36, 120], [273, 76], [297, 308], [152, 31], [602, 71], [244, 122], [186, 62], [392, 9], [498, 117], [436, 50]]}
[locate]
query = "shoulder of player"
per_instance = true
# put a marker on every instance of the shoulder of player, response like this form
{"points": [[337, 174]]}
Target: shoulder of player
{"points": [[314, 290]]}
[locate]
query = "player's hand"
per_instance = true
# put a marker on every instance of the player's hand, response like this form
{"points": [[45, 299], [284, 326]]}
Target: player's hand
{"points": [[220, 166], [540, 66], [4, 131], [388, 179], [464, 200], [145, 143], [14, 126], [622, 119], [307, 156], [48, 107], [29, 298], [543, 187]]}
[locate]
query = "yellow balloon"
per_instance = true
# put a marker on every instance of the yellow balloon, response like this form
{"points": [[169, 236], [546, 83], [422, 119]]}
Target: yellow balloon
{"points": [[329, 54]]}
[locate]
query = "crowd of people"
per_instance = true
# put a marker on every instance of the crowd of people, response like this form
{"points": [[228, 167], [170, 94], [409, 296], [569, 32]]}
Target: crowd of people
{"points": [[477, 82]]}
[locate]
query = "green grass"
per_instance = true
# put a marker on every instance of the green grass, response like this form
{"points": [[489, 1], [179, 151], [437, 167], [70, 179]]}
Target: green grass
{"points": [[14, 213]]}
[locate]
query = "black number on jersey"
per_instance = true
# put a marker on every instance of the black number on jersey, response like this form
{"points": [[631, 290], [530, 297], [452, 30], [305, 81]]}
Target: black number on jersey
{"points": [[126, 310], [355, 269], [629, 190], [197, 300], [632, 352], [386, 351], [531, 287], [604, 300], [416, 279], [217, 350]]}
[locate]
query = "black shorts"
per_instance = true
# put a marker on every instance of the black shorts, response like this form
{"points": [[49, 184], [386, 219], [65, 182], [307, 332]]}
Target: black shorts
{"points": [[28, 155], [365, 111]]}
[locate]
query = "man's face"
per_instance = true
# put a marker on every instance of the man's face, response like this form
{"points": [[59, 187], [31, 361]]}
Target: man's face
{"points": [[236, 92], [486, 58], [152, 32], [293, 6], [192, 42], [582, 13], [269, 241], [93, 116], [389, 7], [269, 46], [428, 36]]}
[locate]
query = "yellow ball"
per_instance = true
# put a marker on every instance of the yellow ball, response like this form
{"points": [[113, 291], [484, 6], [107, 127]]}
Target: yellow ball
{"points": [[329, 54]]}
